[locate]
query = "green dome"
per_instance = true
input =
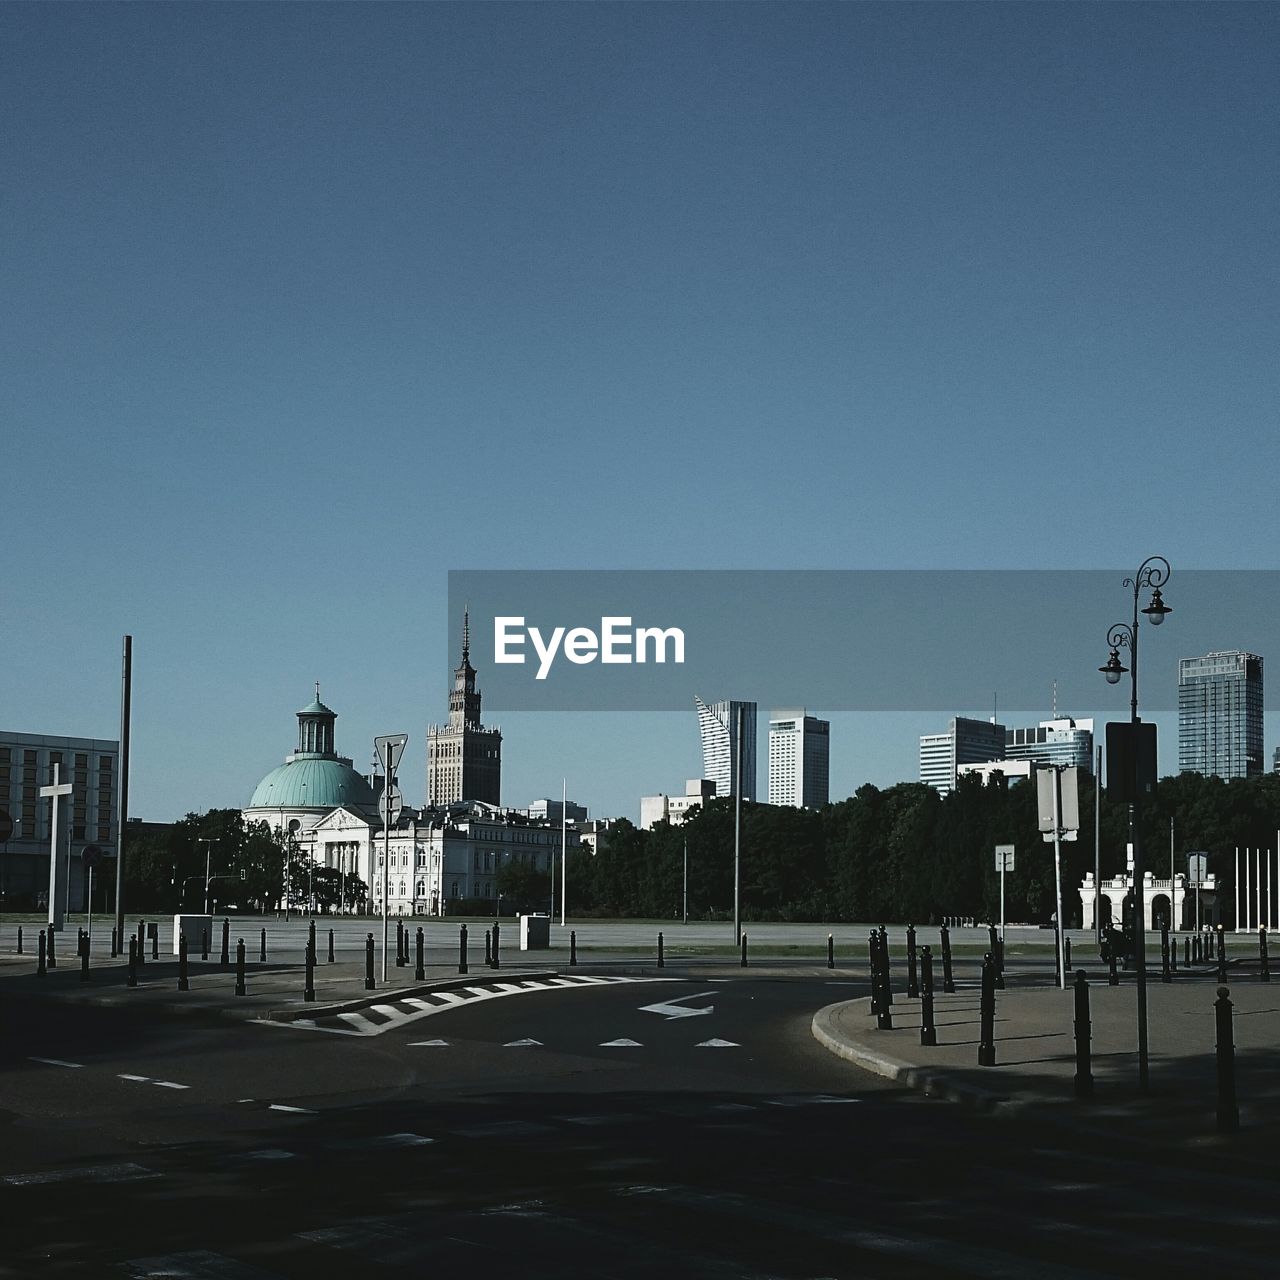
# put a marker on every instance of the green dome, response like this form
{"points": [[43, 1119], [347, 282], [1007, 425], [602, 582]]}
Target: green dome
{"points": [[313, 782]]}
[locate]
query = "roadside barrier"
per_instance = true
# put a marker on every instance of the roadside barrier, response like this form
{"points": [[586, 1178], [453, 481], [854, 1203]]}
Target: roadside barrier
{"points": [[20, 940], [115, 942], [226, 944], [399, 945], [132, 980], [987, 1044], [873, 964], [497, 963], [83, 943], [913, 986], [311, 941], [948, 981], [419, 971], [142, 942], [887, 987], [1228, 1107], [744, 951], [1066, 947], [262, 946], [368, 962], [462, 949], [1264, 962], [883, 1000], [330, 946], [240, 967], [660, 963], [309, 981], [928, 1032], [1084, 1028], [42, 963], [831, 952], [184, 983], [488, 949], [573, 947]]}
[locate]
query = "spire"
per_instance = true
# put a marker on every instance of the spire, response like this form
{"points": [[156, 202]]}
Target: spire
{"points": [[317, 690], [466, 631]]}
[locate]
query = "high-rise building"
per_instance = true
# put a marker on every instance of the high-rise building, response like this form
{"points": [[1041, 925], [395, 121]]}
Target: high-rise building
{"points": [[799, 759], [966, 742], [464, 759], [1220, 714], [1061, 741], [718, 725], [87, 816]]}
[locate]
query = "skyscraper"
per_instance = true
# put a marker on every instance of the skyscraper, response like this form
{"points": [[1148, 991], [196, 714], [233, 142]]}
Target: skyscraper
{"points": [[464, 759], [966, 742], [718, 725], [1220, 714], [1059, 741], [799, 759]]}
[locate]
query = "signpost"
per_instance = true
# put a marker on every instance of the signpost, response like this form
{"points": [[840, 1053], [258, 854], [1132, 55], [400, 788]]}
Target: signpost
{"points": [[1196, 864], [56, 898], [1058, 795], [389, 749], [1004, 862]]}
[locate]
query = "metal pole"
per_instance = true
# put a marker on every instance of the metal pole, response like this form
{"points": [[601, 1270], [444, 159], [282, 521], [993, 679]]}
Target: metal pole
{"points": [[1172, 923], [1057, 874], [206, 877], [686, 879], [1003, 859], [386, 873], [737, 838], [122, 785], [564, 846]]}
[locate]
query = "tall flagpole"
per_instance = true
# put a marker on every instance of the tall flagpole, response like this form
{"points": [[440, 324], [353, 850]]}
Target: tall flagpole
{"points": [[122, 783], [564, 844]]}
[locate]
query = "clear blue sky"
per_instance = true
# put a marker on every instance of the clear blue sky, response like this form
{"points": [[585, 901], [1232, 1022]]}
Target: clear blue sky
{"points": [[306, 305]]}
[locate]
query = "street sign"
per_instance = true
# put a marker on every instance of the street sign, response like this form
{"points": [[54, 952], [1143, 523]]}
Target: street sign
{"points": [[91, 856], [1196, 866], [390, 802], [390, 748], [6, 825], [1004, 857], [1065, 807]]}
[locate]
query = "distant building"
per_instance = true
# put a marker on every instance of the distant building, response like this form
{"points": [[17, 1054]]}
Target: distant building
{"points": [[718, 726], [1009, 770], [1061, 741], [86, 816], [674, 809], [464, 759], [799, 759], [554, 811], [1220, 714], [966, 742]]}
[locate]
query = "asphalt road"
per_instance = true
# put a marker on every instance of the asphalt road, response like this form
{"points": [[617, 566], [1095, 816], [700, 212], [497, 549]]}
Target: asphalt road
{"points": [[720, 1143]]}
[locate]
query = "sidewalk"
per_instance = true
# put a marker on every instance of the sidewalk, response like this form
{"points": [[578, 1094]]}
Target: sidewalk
{"points": [[1036, 1063]]}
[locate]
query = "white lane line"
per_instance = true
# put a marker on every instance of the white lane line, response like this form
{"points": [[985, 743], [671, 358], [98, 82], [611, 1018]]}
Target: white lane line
{"points": [[280, 1106], [89, 1173], [169, 1084], [55, 1062], [137, 1079], [428, 1044]]}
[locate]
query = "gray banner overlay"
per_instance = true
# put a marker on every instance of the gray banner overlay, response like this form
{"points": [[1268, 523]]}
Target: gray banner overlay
{"points": [[845, 640]]}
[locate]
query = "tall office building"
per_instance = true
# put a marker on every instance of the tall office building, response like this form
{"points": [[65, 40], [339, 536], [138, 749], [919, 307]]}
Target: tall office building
{"points": [[1220, 714], [799, 759], [464, 759], [718, 725], [966, 742], [1060, 741]]}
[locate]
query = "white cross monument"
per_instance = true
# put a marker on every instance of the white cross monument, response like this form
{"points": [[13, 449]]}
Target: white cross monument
{"points": [[57, 873]]}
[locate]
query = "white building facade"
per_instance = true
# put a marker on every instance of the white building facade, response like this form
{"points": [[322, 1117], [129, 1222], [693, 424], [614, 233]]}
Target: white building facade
{"points": [[799, 759]]}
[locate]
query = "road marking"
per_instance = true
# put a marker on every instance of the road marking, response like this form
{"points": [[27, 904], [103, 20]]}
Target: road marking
{"points": [[717, 1044], [280, 1106], [268, 1153], [621, 1044], [428, 1044], [137, 1079], [197, 1264], [169, 1084], [88, 1173], [55, 1062], [521, 1044], [671, 1009]]}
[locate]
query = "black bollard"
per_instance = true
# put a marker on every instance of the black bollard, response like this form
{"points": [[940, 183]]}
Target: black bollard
{"points": [[419, 972], [928, 1032], [399, 945], [995, 944], [1165, 975], [497, 963], [1113, 978], [1186, 953], [155, 943], [831, 952], [309, 981], [204, 944], [1222, 958], [20, 941], [84, 957], [744, 951], [886, 975], [311, 941], [42, 965], [660, 962], [462, 949], [1264, 963], [132, 980], [573, 947], [882, 999], [1066, 947], [913, 985], [948, 981], [115, 942], [330, 946], [240, 967], [873, 968], [488, 949], [53, 959], [987, 1045], [183, 982], [262, 946], [368, 961], [1173, 955], [1228, 1108], [142, 942], [226, 944], [1084, 1073]]}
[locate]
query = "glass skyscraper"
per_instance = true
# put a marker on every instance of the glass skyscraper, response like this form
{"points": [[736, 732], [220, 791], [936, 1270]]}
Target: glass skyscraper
{"points": [[718, 725], [1220, 714]]}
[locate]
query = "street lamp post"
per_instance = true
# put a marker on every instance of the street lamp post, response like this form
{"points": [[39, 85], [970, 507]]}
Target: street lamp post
{"points": [[1153, 573], [206, 841]]}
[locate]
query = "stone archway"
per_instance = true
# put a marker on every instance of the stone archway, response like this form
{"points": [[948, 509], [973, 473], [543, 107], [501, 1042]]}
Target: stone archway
{"points": [[1160, 913]]}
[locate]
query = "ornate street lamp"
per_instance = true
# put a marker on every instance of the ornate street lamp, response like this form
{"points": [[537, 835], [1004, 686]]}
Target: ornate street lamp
{"points": [[1152, 574]]}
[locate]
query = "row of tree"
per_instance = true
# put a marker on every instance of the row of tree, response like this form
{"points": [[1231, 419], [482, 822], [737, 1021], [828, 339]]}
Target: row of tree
{"points": [[908, 853]]}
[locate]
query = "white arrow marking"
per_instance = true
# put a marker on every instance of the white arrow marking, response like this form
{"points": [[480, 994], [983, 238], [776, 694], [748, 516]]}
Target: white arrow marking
{"points": [[428, 1044], [717, 1044], [520, 1044], [621, 1044], [670, 1009]]}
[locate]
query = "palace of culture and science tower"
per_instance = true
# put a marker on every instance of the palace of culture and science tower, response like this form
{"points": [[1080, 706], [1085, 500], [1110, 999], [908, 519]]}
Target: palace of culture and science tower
{"points": [[464, 759]]}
